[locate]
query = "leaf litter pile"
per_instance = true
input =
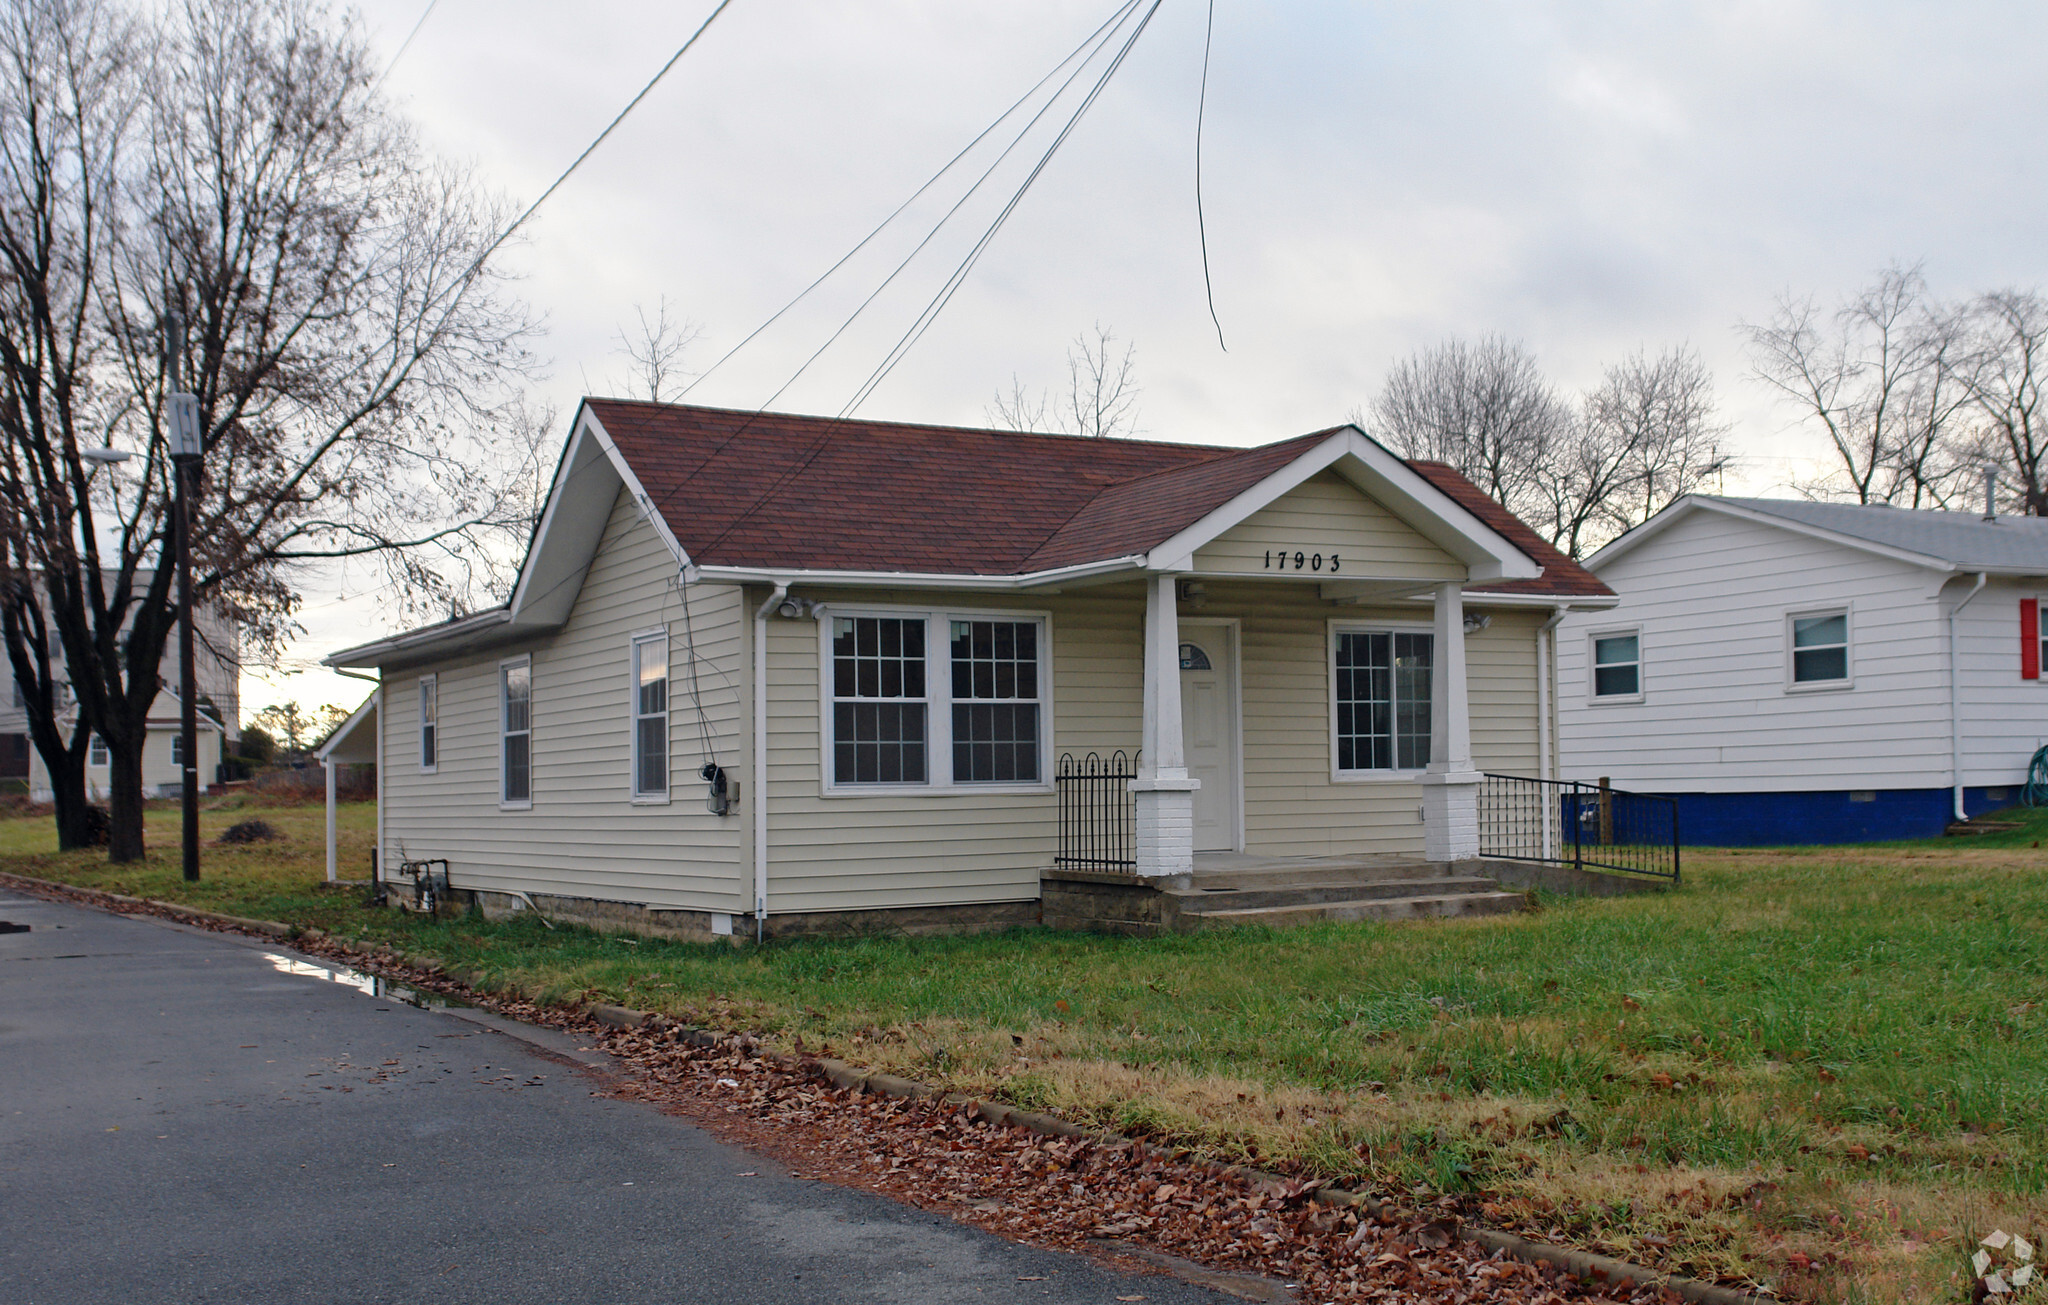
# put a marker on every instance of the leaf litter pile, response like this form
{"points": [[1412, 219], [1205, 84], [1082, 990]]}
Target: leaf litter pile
{"points": [[1080, 1194]]}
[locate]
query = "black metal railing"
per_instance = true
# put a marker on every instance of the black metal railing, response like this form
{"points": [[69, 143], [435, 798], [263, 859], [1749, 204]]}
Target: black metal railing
{"points": [[1587, 826], [1098, 816]]}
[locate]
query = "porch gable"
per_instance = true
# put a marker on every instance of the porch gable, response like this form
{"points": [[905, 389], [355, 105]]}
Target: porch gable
{"points": [[1327, 529]]}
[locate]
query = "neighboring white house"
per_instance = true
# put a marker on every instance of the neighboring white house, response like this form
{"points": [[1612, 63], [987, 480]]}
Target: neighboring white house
{"points": [[1799, 672], [217, 669], [808, 672]]}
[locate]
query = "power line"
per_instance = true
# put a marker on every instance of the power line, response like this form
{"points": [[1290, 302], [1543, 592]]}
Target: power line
{"points": [[632, 104], [1201, 223], [404, 45], [950, 164]]}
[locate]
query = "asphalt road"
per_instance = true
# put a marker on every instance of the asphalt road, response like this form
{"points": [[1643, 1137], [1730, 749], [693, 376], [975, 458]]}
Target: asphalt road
{"points": [[190, 1116]]}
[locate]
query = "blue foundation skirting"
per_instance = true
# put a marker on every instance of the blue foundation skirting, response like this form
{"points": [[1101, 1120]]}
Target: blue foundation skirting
{"points": [[1833, 816]]}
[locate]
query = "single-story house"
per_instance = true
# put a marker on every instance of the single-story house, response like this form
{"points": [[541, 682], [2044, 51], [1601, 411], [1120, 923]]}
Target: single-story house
{"points": [[1801, 672], [764, 672]]}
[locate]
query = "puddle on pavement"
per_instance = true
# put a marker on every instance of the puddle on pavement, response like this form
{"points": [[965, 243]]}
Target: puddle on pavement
{"points": [[367, 984]]}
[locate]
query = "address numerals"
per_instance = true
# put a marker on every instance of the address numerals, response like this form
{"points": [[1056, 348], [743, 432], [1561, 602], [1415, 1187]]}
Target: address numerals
{"points": [[1281, 559]]}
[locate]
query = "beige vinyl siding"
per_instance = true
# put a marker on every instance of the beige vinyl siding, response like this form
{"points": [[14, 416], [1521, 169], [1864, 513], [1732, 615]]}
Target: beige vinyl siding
{"points": [[898, 849], [584, 835], [1327, 516]]}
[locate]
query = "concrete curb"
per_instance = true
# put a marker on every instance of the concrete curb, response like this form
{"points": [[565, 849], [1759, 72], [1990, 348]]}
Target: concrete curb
{"points": [[1581, 1264]]}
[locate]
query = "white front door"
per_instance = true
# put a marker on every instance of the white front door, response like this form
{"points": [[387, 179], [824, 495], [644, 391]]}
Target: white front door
{"points": [[1208, 704]]}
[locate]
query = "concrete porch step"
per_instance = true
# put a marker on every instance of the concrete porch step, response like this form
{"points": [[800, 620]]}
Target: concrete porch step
{"points": [[1241, 872], [1436, 906], [1206, 898]]}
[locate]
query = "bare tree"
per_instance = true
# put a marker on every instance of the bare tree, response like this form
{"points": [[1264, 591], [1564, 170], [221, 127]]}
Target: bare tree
{"points": [[1484, 409], [1101, 399], [2008, 365], [213, 199], [1654, 423], [1880, 377], [656, 352]]}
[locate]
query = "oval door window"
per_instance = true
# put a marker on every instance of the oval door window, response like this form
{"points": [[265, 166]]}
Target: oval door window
{"points": [[1192, 658]]}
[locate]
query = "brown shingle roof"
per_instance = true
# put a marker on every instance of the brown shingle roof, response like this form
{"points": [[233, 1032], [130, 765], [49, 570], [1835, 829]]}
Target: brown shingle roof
{"points": [[775, 490], [1561, 578]]}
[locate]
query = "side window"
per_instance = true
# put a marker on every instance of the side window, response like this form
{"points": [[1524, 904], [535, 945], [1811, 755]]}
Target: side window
{"points": [[650, 715], [1382, 699], [1820, 647], [1618, 665], [879, 700], [430, 722], [96, 752], [995, 702], [515, 685]]}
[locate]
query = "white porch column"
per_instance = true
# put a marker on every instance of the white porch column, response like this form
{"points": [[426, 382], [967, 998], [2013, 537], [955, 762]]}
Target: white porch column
{"points": [[329, 764], [1165, 795], [1450, 787]]}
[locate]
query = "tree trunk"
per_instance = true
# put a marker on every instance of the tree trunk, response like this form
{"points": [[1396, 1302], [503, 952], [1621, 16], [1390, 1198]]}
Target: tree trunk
{"points": [[75, 826], [124, 833]]}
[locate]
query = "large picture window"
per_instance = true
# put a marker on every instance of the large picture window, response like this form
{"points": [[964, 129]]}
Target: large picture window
{"points": [[650, 716], [936, 700], [1382, 699], [430, 722], [515, 691]]}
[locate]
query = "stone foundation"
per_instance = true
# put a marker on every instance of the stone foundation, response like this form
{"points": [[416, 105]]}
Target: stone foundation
{"points": [[1102, 902]]}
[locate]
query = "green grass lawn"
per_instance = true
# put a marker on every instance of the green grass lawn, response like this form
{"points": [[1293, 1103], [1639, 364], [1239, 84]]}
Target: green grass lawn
{"points": [[1825, 1055]]}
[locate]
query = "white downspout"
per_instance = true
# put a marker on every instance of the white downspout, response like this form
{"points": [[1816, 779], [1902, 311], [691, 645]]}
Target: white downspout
{"points": [[761, 758], [328, 764], [1546, 697], [1955, 702]]}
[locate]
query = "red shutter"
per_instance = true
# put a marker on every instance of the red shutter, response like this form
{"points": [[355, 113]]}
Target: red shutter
{"points": [[2030, 638]]}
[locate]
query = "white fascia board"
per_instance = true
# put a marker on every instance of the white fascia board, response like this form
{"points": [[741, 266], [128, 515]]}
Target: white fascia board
{"points": [[365, 714], [1387, 481], [1692, 503], [417, 641], [587, 482], [1109, 567]]}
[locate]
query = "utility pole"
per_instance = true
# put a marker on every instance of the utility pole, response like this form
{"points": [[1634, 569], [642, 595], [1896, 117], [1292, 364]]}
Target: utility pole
{"points": [[188, 443]]}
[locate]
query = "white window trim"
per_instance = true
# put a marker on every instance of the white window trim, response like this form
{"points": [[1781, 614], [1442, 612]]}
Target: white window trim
{"points": [[1353, 626], [430, 684], [633, 718], [99, 745], [526, 804], [938, 703], [1848, 614], [1593, 694]]}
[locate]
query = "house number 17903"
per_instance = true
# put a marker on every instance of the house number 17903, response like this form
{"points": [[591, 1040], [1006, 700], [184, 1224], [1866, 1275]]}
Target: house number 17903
{"points": [[1282, 560]]}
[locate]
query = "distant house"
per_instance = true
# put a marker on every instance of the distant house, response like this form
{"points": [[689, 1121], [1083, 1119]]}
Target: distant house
{"points": [[217, 669], [783, 673], [1799, 672]]}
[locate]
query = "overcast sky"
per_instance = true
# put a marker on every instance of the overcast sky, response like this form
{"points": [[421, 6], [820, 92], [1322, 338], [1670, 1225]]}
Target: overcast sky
{"points": [[1591, 178]]}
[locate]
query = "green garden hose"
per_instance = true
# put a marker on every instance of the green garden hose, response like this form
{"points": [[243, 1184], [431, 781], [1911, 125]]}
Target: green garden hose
{"points": [[2035, 794]]}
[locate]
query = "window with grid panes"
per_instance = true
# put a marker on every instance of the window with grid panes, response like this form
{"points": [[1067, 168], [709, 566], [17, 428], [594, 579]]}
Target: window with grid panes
{"points": [[995, 702], [1382, 699], [880, 702]]}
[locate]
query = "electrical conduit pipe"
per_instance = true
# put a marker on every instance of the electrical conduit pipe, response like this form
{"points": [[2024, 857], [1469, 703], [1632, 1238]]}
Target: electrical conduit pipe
{"points": [[761, 757], [1955, 701]]}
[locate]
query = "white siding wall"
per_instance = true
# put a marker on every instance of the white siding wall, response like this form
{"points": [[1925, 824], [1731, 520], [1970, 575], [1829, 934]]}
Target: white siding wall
{"points": [[1711, 595], [853, 852], [2005, 718], [584, 835]]}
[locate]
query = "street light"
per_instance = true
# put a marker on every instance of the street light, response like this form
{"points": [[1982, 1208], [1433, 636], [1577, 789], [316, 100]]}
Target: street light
{"points": [[106, 457], [188, 444]]}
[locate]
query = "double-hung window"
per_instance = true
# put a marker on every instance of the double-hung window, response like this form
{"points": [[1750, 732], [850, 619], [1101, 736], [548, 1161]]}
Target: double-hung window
{"points": [[1820, 648], [178, 748], [430, 723], [936, 700], [1618, 664], [515, 696], [650, 715], [995, 702], [96, 752], [1381, 699]]}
